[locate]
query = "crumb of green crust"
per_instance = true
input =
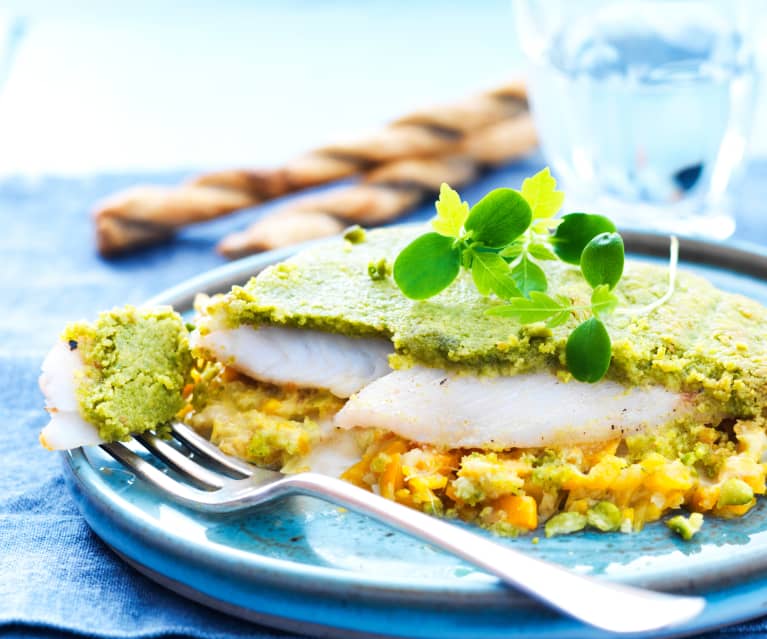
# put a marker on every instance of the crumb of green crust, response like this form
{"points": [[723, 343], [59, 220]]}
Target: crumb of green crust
{"points": [[379, 270], [355, 234], [604, 516], [136, 364], [686, 527]]}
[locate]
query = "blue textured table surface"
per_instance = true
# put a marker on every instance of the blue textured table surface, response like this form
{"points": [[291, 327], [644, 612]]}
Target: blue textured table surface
{"points": [[55, 575]]}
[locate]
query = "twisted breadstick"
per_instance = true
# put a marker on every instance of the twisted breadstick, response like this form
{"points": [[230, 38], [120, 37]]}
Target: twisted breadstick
{"points": [[386, 192], [147, 215]]}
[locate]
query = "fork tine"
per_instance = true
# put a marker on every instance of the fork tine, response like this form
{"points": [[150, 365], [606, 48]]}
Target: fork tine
{"points": [[188, 468], [154, 475], [208, 451]]}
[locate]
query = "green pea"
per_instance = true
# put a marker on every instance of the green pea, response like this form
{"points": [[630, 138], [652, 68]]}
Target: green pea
{"points": [[604, 516], [565, 523], [735, 492], [686, 527]]}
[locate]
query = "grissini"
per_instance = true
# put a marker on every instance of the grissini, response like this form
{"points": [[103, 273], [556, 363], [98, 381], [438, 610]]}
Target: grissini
{"points": [[147, 215], [385, 193]]}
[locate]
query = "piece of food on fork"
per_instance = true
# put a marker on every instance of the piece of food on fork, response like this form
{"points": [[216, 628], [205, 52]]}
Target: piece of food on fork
{"points": [[121, 375], [453, 407]]}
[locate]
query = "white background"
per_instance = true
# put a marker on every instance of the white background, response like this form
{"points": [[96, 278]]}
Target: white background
{"points": [[163, 85]]}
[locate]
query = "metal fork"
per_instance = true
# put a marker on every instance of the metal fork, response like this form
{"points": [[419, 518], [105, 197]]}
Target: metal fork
{"points": [[236, 485]]}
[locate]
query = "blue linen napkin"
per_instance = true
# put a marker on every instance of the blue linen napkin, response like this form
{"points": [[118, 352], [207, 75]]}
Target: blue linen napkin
{"points": [[56, 576]]}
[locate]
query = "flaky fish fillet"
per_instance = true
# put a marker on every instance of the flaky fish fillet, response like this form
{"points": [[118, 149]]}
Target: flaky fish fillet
{"points": [[425, 405], [66, 429], [304, 357], [432, 406]]}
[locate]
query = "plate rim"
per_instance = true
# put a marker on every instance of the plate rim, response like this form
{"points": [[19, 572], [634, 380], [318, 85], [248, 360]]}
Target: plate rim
{"points": [[739, 257]]}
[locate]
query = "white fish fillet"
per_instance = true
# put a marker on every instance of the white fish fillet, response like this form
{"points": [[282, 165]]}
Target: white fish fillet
{"points": [[304, 357], [426, 405], [66, 429], [436, 407]]}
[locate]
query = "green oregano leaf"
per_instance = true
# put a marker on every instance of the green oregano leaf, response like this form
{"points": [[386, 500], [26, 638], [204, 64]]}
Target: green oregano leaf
{"points": [[451, 212], [427, 265], [603, 301], [563, 315], [575, 231], [499, 218], [540, 192], [588, 351], [541, 251], [513, 250], [558, 319], [528, 276], [491, 273], [602, 260]]}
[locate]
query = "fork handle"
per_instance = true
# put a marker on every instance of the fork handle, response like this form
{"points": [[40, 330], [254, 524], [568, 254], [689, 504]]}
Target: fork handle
{"points": [[600, 603]]}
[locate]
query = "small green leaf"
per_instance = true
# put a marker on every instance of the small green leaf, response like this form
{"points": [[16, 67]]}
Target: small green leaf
{"points": [[528, 276], [575, 231], [559, 319], [602, 260], [451, 212], [541, 251], [588, 351], [426, 266], [513, 250], [541, 194], [491, 273], [539, 308], [499, 217], [603, 301]]}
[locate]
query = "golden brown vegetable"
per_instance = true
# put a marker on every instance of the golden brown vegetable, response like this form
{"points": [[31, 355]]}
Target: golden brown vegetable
{"points": [[147, 215]]}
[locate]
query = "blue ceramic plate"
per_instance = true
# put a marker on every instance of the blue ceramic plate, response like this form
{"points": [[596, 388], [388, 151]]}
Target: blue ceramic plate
{"points": [[310, 567]]}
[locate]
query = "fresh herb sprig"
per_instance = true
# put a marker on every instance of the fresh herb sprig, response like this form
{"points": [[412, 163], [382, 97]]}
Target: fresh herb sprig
{"points": [[500, 241]]}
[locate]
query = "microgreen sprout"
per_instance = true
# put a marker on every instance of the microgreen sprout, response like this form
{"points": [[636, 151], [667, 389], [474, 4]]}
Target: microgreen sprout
{"points": [[673, 261], [501, 240]]}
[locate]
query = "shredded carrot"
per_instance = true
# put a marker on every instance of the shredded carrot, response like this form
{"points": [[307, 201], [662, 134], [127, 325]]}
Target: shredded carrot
{"points": [[355, 474], [521, 510], [396, 447], [391, 479]]}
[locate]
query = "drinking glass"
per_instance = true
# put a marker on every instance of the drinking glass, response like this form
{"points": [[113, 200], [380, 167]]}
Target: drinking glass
{"points": [[644, 107], [12, 30]]}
